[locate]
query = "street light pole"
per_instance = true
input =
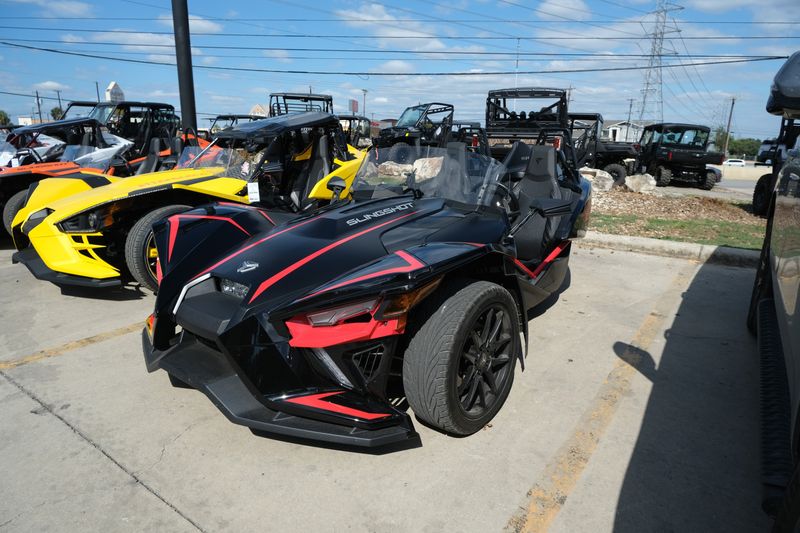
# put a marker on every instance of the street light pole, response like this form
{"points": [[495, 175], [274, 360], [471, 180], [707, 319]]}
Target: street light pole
{"points": [[183, 55], [364, 106]]}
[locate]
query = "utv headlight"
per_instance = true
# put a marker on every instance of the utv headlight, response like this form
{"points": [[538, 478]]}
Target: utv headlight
{"points": [[233, 288]]}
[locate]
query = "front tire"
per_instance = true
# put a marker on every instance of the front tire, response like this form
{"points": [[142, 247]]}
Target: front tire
{"points": [[459, 365], [618, 172], [708, 180], [663, 176], [140, 254], [761, 195], [12, 207]]}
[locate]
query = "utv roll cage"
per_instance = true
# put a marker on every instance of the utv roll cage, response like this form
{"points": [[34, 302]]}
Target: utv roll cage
{"points": [[358, 128], [63, 130], [428, 124], [287, 103], [504, 122]]}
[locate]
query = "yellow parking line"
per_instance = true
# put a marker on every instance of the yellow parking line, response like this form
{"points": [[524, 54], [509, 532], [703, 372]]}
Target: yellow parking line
{"points": [[547, 497], [72, 345]]}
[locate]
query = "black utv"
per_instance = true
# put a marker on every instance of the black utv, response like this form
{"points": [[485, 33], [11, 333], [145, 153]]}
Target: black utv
{"points": [[616, 158], [423, 125], [678, 152], [288, 103]]}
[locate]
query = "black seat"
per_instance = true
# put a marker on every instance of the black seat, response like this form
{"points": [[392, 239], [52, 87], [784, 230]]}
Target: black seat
{"points": [[176, 149], [539, 181], [319, 168], [151, 160]]}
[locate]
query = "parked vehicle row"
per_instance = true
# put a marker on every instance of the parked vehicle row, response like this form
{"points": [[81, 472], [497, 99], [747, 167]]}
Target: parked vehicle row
{"points": [[300, 280]]}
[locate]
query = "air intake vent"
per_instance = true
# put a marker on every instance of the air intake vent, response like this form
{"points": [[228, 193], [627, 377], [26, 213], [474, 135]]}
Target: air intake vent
{"points": [[369, 360]]}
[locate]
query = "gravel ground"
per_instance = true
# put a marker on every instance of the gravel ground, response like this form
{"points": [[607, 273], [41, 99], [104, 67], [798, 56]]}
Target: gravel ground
{"points": [[671, 207]]}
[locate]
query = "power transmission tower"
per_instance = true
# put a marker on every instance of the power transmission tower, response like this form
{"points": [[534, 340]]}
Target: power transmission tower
{"points": [[653, 83]]}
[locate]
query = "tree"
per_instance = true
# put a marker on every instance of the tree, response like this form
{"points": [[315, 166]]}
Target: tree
{"points": [[4, 118], [745, 147], [56, 113]]}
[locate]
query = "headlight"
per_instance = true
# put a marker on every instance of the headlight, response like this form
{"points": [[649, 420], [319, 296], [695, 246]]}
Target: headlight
{"points": [[232, 288], [330, 317], [89, 221]]}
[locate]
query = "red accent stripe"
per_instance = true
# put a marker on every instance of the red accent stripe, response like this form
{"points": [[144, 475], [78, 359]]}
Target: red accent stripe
{"points": [[267, 216], [413, 264], [525, 269], [547, 260], [315, 401], [231, 204], [249, 246], [307, 259], [174, 222]]}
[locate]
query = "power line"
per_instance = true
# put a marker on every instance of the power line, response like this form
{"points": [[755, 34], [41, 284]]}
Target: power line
{"points": [[170, 47], [376, 21], [405, 74], [404, 37]]}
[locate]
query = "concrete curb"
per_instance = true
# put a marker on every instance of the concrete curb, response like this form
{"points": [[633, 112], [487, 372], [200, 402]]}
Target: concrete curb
{"points": [[685, 250]]}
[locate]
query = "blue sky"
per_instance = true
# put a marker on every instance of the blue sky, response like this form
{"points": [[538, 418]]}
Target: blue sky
{"points": [[479, 37]]}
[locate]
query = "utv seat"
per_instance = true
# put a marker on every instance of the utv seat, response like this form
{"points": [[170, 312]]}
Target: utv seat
{"points": [[538, 179], [150, 162], [175, 151], [319, 167]]}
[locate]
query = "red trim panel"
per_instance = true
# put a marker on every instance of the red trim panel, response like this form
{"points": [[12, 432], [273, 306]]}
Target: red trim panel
{"points": [[547, 260], [304, 335], [174, 222], [316, 401], [307, 259]]}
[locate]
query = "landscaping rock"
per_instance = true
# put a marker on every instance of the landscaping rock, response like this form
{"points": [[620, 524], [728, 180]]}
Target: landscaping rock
{"points": [[390, 168], [427, 167], [642, 183], [601, 180]]}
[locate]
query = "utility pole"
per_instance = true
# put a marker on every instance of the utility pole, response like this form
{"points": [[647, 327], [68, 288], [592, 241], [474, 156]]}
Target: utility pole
{"points": [[58, 93], [39, 106], [364, 110], [569, 94], [97, 89], [728, 129], [183, 55], [628, 127]]}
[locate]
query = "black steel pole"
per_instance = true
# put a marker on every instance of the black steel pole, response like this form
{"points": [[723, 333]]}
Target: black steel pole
{"points": [[183, 55]]}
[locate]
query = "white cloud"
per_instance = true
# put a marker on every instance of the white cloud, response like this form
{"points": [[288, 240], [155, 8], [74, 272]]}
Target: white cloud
{"points": [[281, 56], [54, 8], [196, 24], [51, 86], [561, 9], [225, 99], [420, 37], [395, 65], [160, 93], [70, 38], [380, 100], [208, 60]]}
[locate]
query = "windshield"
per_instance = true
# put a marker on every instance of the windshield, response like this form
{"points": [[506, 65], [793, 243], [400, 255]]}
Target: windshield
{"points": [[231, 162], [101, 113], [691, 137], [410, 116], [450, 174], [77, 111]]}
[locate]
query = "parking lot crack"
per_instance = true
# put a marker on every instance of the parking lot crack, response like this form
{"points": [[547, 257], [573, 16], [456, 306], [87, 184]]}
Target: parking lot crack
{"points": [[100, 449]]}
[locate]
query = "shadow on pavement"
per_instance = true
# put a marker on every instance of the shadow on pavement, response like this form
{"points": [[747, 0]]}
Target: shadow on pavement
{"points": [[118, 294], [695, 464]]}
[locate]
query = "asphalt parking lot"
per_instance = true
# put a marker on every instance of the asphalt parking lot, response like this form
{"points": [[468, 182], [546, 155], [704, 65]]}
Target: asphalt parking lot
{"points": [[637, 411]]}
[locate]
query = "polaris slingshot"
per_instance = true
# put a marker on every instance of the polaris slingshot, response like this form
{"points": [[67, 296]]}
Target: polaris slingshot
{"points": [[415, 286], [99, 234]]}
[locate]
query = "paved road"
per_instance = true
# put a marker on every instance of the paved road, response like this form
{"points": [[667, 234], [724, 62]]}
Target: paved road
{"points": [[637, 412]]}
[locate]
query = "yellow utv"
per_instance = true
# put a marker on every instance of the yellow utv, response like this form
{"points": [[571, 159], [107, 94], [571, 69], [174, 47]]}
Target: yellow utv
{"points": [[99, 234]]}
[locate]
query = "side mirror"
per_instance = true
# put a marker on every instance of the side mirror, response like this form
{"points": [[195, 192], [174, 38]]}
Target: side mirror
{"points": [[336, 185]]}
